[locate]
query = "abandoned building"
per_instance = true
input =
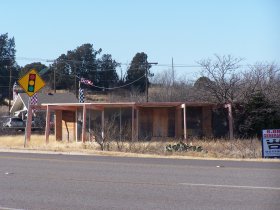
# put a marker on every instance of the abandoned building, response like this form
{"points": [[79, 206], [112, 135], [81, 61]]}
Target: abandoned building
{"points": [[135, 121]]}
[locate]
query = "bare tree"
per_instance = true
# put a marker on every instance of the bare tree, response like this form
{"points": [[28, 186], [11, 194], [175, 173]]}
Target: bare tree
{"points": [[263, 78], [223, 79], [165, 88]]}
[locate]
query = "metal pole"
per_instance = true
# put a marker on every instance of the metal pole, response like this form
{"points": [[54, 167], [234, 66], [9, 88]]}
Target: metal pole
{"points": [[26, 122]]}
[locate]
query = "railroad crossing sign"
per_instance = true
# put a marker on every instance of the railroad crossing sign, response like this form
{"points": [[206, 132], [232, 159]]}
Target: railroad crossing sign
{"points": [[31, 82]]}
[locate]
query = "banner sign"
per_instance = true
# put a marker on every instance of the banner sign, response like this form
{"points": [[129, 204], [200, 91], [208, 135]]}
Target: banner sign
{"points": [[271, 143]]}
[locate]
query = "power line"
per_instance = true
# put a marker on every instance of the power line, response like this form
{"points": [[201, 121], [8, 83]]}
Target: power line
{"points": [[122, 86], [127, 64]]}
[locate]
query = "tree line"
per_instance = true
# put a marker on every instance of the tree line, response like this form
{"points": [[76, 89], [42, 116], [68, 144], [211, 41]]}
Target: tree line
{"points": [[66, 71], [254, 90]]}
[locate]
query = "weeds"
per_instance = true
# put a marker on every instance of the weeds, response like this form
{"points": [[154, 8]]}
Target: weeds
{"points": [[211, 148]]}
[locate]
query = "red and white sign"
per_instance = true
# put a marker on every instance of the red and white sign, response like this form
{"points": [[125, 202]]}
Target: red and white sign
{"points": [[271, 143]]}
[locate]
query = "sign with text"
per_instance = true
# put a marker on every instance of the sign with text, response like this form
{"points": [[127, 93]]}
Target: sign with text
{"points": [[31, 82], [271, 143]]}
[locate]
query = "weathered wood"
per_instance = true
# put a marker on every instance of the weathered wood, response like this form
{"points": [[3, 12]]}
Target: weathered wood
{"points": [[207, 121], [178, 122], [102, 124], [230, 120], [160, 122], [29, 123], [47, 129], [68, 125], [185, 121], [137, 124], [84, 124], [132, 125], [58, 125]]}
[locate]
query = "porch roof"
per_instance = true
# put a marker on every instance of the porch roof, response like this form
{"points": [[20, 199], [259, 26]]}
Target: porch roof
{"points": [[98, 105]]}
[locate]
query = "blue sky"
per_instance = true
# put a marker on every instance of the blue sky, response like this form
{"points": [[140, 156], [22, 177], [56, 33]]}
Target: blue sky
{"points": [[186, 30]]}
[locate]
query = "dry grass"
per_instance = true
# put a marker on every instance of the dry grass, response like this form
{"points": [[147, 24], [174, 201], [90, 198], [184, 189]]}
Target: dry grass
{"points": [[38, 143], [240, 149], [237, 148]]}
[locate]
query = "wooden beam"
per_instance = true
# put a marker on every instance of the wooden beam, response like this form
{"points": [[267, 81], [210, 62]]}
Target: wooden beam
{"points": [[47, 129], [68, 108], [96, 107], [230, 121], [58, 125], [185, 122], [120, 124], [178, 122], [137, 124], [84, 124], [132, 125], [102, 124], [28, 123]]}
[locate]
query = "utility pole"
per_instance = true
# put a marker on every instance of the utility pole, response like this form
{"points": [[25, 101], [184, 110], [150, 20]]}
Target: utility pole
{"points": [[146, 74], [54, 85], [54, 75], [172, 72]]}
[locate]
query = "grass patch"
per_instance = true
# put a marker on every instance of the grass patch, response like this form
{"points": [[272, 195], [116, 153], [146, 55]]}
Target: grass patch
{"points": [[211, 148]]}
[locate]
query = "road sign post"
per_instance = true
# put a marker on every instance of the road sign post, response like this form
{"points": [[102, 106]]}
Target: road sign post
{"points": [[31, 83]]}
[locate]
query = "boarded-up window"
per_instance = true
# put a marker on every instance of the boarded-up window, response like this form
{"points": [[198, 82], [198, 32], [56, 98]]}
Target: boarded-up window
{"points": [[171, 122], [68, 125], [194, 121], [146, 123]]}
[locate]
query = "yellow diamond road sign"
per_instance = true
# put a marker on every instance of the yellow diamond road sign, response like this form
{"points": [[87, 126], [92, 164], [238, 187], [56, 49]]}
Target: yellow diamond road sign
{"points": [[31, 82]]}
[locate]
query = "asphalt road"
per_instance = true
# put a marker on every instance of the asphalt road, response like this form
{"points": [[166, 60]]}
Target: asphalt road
{"points": [[40, 181]]}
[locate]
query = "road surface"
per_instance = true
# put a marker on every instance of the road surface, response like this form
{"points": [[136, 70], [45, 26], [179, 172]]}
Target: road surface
{"points": [[43, 181]]}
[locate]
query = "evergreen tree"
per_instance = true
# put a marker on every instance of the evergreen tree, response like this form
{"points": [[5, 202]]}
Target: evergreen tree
{"points": [[108, 76], [7, 64], [81, 62], [258, 113], [37, 66], [136, 73]]}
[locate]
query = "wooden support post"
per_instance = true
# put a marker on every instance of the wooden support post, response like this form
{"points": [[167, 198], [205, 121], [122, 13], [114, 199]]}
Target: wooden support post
{"points": [[230, 120], [207, 121], [120, 124], [89, 124], [178, 122], [132, 125], [84, 123], [28, 124], [185, 122], [102, 124], [137, 124], [47, 128], [58, 125]]}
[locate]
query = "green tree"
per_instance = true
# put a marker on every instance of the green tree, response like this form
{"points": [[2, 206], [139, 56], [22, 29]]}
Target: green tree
{"points": [[7, 64], [81, 62], [136, 73], [107, 73], [257, 114], [37, 66]]}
